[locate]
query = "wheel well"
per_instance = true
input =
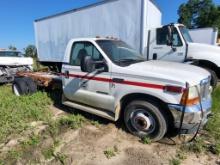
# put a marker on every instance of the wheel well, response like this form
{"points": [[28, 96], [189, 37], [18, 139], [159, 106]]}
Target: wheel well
{"points": [[138, 96], [209, 65]]}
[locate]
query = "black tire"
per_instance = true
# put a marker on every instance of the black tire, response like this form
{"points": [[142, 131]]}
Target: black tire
{"points": [[154, 118], [32, 86], [20, 87], [214, 78]]}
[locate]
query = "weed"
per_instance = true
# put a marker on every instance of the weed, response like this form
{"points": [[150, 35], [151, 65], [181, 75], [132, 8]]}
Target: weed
{"points": [[181, 155], [111, 152], [48, 153], [13, 154], [60, 157], [146, 140], [34, 140], [72, 121], [175, 161], [53, 128], [95, 123], [196, 146]]}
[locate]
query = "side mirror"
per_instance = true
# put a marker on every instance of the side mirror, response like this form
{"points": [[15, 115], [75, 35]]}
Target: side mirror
{"points": [[169, 36], [87, 64]]}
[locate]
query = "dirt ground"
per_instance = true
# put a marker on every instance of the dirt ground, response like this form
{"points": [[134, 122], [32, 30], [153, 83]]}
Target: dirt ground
{"points": [[86, 146]]}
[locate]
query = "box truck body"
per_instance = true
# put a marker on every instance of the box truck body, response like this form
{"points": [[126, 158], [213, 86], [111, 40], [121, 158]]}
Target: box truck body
{"points": [[205, 35], [125, 19], [138, 22]]}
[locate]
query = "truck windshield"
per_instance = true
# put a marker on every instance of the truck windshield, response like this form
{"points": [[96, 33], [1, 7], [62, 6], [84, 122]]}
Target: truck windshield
{"points": [[185, 32], [119, 52], [10, 54]]}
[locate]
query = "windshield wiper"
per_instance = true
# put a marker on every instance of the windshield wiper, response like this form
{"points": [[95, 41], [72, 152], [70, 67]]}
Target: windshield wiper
{"points": [[130, 60]]}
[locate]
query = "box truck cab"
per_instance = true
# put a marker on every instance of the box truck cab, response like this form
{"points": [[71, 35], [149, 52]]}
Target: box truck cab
{"points": [[174, 43]]}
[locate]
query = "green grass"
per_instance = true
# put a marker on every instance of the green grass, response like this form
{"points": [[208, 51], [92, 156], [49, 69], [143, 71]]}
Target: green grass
{"points": [[196, 146], [16, 113], [72, 121], [175, 161], [213, 126], [146, 140], [111, 152]]}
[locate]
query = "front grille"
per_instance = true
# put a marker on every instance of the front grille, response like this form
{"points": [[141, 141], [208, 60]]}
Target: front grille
{"points": [[205, 89]]}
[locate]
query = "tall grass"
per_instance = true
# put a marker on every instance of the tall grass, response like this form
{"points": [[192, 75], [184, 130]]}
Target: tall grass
{"points": [[16, 113]]}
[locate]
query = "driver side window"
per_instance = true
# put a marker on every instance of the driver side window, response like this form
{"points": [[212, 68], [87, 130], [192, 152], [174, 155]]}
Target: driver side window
{"points": [[80, 49], [162, 35]]}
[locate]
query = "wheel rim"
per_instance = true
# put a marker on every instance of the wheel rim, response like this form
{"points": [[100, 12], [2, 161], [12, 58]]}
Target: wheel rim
{"points": [[15, 89], [143, 121]]}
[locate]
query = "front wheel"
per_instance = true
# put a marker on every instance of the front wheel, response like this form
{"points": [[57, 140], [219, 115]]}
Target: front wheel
{"points": [[145, 119], [214, 78]]}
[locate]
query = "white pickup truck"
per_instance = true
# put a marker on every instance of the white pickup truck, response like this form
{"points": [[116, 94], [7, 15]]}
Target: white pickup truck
{"points": [[108, 78], [12, 62]]}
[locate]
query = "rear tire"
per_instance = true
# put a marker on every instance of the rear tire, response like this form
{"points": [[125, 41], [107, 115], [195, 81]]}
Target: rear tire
{"points": [[19, 87], [145, 119], [32, 86], [24, 86]]}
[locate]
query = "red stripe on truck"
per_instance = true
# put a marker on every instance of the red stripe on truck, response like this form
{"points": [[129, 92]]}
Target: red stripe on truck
{"points": [[132, 83]]}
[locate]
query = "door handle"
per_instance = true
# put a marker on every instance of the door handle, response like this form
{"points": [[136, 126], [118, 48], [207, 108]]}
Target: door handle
{"points": [[118, 80], [67, 74], [158, 47], [84, 84], [155, 56]]}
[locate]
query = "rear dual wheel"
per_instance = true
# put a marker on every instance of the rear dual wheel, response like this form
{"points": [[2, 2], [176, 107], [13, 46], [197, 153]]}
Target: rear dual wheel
{"points": [[24, 86], [145, 119]]}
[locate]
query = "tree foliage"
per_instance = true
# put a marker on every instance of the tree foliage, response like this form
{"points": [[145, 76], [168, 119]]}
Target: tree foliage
{"points": [[30, 51], [11, 47], [199, 14]]}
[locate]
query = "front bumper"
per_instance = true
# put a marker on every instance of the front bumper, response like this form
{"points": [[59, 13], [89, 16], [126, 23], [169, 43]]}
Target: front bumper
{"points": [[195, 116]]}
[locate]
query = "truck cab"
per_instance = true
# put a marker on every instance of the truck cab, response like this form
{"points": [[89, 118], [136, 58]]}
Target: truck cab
{"points": [[11, 62], [108, 78], [174, 43]]}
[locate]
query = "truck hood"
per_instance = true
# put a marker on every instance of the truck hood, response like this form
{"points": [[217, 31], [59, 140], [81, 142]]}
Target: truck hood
{"points": [[204, 52], [169, 72], [16, 61]]}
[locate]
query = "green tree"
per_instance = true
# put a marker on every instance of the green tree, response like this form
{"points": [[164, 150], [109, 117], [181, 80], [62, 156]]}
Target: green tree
{"points": [[199, 14], [11, 47], [30, 51]]}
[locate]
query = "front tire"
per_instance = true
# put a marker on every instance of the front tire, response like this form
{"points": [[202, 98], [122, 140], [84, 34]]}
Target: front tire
{"points": [[145, 119], [214, 78]]}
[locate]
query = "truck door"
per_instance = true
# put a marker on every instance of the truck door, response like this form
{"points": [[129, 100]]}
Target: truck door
{"points": [[160, 50], [91, 89]]}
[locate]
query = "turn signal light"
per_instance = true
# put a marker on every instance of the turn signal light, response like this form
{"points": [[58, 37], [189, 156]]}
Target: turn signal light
{"points": [[187, 101]]}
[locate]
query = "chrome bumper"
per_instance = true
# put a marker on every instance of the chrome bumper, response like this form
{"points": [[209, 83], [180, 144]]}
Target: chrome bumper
{"points": [[193, 116]]}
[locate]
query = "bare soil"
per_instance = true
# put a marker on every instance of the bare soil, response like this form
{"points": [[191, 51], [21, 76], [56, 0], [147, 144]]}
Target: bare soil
{"points": [[86, 146]]}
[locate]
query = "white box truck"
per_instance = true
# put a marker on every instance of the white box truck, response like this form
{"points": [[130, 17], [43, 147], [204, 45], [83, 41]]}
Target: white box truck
{"points": [[138, 22], [205, 35]]}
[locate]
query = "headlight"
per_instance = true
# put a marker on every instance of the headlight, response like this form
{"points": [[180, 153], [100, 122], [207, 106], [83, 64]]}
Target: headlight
{"points": [[190, 96]]}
